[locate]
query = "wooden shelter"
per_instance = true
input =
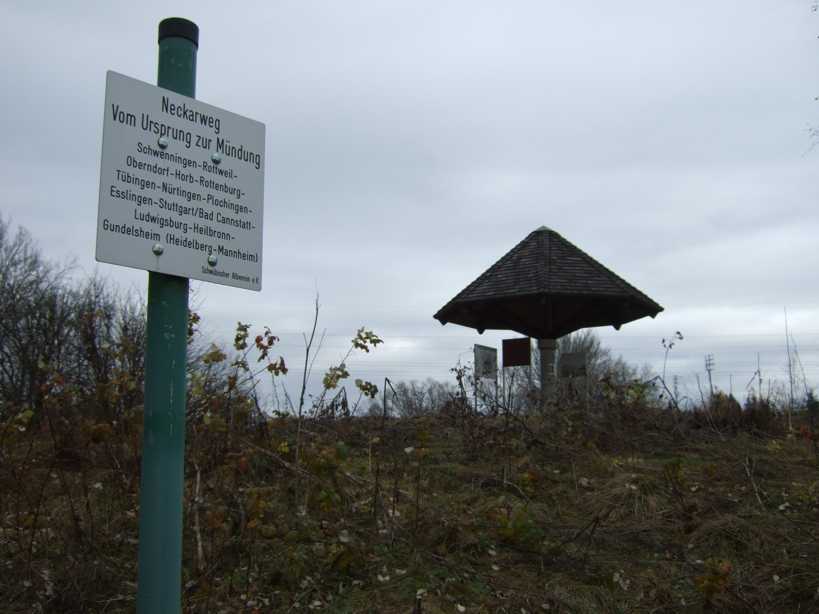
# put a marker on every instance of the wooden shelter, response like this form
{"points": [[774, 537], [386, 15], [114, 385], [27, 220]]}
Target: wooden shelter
{"points": [[546, 287]]}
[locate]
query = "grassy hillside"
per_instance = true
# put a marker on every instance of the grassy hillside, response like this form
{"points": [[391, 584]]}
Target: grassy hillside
{"points": [[618, 508]]}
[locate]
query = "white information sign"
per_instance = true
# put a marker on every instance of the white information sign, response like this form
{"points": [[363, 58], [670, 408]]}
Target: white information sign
{"points": [[486, 362], [181, 186], [572, 364]]}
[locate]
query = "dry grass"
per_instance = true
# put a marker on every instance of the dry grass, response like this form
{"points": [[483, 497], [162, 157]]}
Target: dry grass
{"points": [[625, 509]]}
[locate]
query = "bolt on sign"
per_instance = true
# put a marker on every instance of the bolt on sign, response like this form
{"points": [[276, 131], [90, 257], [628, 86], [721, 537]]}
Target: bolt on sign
{"points": [[181, 186], [486, 362], [517, 352]]}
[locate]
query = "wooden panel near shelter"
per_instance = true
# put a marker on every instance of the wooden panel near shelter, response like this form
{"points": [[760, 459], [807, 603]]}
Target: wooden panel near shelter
{"points": [[517, 352]]}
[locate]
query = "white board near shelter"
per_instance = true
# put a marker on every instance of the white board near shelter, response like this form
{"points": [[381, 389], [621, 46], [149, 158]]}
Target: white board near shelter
{"points": [[486, 362], [572, 364], [181, 186]]}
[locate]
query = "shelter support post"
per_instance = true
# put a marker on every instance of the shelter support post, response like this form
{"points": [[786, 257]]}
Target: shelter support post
{"points": [[547, 349]]}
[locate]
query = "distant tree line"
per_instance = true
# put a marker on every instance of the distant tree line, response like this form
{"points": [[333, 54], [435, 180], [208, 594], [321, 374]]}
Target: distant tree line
{"points": [[85, 338], [517, 387]]}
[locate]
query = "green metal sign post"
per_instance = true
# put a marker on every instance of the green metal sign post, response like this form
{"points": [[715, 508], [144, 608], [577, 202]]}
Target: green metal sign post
{"points": [[163, 447]]}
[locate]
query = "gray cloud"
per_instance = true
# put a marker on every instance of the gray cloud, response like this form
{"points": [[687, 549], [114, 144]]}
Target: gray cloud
{"points": [[411, 144]]}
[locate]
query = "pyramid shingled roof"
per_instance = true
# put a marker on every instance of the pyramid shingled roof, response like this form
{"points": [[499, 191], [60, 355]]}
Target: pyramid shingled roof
{"points": [[547, 287]]}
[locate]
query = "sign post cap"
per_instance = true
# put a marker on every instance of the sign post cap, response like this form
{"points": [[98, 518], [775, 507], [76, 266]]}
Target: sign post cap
{"points": [[180, 27]]}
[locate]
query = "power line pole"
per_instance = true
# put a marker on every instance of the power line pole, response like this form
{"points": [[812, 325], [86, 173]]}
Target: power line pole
{"points": [[709, 366], [790, 370]]}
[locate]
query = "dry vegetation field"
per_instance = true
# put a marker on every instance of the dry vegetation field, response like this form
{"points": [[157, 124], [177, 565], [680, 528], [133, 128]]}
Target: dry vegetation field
{"points": [[623, 507]]}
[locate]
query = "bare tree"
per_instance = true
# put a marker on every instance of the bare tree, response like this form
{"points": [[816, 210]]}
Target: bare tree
{"points": [[36, 308], [600, 363], [416, 398]]}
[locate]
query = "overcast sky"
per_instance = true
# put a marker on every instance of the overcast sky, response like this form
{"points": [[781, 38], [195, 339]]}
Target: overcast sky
{"points": [[411, 144]]}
